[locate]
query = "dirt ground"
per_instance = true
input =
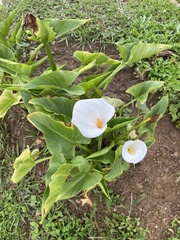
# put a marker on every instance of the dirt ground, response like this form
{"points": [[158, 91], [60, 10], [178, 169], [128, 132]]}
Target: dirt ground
{"points": [[153, 183]]}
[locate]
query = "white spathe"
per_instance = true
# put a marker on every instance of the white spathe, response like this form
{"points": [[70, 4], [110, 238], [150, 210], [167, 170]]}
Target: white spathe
{"points": [[134, 151], [90, 116]]}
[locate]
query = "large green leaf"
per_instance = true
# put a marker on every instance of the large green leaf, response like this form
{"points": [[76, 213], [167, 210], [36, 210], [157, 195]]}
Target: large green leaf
{"points": [[78, 183], [61, 27], [141, 90], [58, 81], [16, 34], [158, 109], [125, 50], [14, 68], [58, 172], [145, 50], [7, 100], [6, 23], [119, 165], [57, 181], [60, 105], [133, 52], [6, 53], [58, 136], [93, 81], [54, 164], [106, 158], [23, 164], [101, 152]]}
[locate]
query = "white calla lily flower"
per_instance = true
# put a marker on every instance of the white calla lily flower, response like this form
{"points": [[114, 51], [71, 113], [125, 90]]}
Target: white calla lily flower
{"points": [[134, 151], [90, 116]]}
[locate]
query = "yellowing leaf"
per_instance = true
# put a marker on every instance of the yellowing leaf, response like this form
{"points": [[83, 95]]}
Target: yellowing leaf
{"points": [[8, 99], [23, 164]]}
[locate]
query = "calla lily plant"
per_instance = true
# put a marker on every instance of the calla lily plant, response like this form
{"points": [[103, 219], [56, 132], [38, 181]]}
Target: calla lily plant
{"points": [[90, 138]]}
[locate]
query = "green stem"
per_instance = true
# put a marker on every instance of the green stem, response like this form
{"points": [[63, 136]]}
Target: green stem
{"points": [[111, 76], [133, 128], [100, 142], [50, 56], [35, 52], [105, 83], [42, 160], [84, 148], [127, 104]]}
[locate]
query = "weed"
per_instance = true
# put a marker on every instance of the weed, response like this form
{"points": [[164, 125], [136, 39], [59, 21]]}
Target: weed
{"points": [[174, 230], [123, 227], [168, 71], [62, 225]]}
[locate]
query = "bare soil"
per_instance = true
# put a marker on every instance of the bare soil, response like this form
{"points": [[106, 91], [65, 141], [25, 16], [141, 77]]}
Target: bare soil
{"points": [[153, 183]]}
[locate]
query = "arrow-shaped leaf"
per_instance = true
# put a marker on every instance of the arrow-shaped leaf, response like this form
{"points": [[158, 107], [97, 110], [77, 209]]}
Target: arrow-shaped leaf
{"points": [[141, 90], [58, 136]]}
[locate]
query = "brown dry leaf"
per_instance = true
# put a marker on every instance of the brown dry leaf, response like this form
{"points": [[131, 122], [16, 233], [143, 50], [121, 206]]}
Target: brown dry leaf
{"points": [[38, 213], [86, 201], [30, 22], [38, 140]]}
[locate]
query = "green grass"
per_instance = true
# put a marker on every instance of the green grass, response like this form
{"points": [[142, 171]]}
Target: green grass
{"points": [[111, 21]]}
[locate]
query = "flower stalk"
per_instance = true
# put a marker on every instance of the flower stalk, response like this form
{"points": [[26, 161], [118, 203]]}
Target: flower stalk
{"points": [[133, 128], [100, 142], [50, 56]]}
